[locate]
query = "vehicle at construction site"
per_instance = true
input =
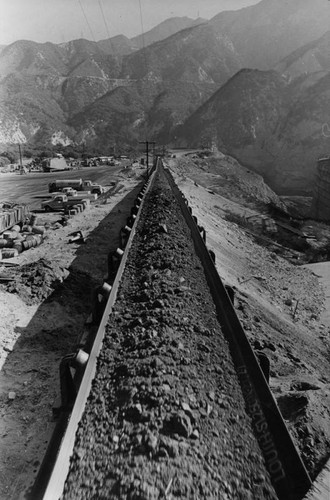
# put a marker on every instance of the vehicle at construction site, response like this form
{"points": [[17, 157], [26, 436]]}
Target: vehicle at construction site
{"points": [[62, 201], [69, 191], [77, 184]]}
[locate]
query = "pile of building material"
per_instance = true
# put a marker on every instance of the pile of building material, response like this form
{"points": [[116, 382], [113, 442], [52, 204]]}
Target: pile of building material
{"points": [[11, 214], [21, 237]]}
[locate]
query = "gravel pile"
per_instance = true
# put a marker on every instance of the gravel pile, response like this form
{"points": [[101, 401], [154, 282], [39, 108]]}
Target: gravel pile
{"points": [[165, 417], [36, 281]]}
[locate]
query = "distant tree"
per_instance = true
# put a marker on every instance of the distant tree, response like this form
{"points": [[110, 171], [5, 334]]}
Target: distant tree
{"points": [[86, 155], [4, 161], [10, 156], [70, 154]]}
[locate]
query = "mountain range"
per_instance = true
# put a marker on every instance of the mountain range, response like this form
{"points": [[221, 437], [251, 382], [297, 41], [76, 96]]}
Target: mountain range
{"points": [[252, 82]]}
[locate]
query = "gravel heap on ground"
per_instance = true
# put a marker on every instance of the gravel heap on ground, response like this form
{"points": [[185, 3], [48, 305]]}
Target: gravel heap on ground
{"points": [[165, 417], [36, 281]]}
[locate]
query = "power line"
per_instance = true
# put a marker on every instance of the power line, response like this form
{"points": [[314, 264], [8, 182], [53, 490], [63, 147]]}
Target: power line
{"points": [[142, 29], [146, 65], [105, 22], [107, 28], [90, 29], [147, 152]]}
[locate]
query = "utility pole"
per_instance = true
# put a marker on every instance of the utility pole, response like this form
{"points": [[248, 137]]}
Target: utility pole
{"points": [[147, 152], [20, 160]]}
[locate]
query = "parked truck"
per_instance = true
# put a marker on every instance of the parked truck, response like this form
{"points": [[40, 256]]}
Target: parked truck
{"points": [[77, 184], [57, 186], [69, 191], [61, 201], [92, 187]]}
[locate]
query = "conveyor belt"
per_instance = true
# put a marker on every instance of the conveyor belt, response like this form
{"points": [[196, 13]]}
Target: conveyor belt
{"points": [[288, 475]]}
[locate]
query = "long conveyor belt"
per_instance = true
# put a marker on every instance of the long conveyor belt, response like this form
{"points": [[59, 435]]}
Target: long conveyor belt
{"points": [[249, 434]]}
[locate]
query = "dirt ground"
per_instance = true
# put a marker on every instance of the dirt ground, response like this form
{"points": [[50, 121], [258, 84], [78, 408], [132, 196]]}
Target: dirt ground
{"points": [[281, 307], [43, 314], [45, 309]]}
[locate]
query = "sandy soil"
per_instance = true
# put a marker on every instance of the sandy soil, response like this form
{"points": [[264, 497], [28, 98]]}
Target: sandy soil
{"points": [[38, 329]]}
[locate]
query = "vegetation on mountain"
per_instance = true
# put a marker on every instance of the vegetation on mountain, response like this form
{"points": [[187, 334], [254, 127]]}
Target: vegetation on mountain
{"points": [[314, 57], [272, 125], [184, 85], [270, 30]]}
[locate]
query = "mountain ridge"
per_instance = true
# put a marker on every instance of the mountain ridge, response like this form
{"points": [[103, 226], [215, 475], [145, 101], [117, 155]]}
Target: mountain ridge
{"points": [[69, 90]]}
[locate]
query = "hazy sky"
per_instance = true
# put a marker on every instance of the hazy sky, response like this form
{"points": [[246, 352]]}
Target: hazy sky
{"points": [[62, 20]]}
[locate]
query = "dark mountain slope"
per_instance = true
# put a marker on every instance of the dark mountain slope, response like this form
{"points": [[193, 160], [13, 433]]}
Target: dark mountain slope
{"points": [[173, 103], [31, 58], [155, 109], [272, 126], [311, 58], [28, 106], [118, 45], [196, 54], [114, 118], [251, 102], [304, 135], [164, 30], [267, 32]]}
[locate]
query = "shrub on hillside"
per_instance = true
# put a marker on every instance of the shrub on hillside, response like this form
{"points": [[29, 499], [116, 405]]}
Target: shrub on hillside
{"points": [[4, 161]]}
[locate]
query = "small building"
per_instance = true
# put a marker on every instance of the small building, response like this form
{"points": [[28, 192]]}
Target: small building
{"points": [[51, 164]]}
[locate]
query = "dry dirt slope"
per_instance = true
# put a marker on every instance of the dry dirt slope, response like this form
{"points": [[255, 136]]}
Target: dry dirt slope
{"points": [[267, 286]]}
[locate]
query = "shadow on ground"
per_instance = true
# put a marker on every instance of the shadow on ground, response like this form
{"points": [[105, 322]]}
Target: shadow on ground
{"points": [[31, 370]]}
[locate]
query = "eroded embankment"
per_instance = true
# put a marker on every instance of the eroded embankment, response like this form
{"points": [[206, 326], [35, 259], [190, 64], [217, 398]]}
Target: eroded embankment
{"points": [[165, 417]]}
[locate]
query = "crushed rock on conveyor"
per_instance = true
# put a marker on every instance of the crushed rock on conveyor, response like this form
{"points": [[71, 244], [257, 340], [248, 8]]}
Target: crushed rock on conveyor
{"points": [[165, 417]]}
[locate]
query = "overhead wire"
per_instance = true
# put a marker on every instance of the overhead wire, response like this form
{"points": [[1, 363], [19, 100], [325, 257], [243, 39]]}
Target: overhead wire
{"points": [[146, 70], [177, 81], [89, 26], [142, 80], [107, 28]]}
